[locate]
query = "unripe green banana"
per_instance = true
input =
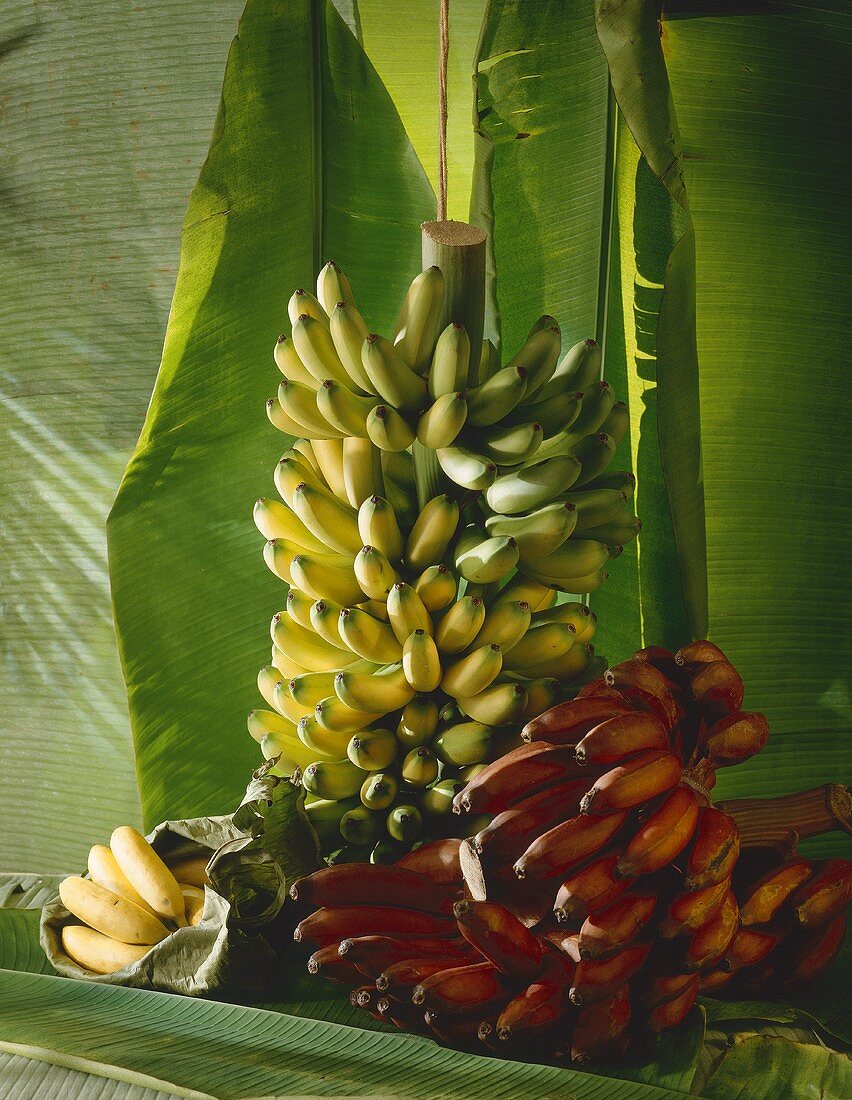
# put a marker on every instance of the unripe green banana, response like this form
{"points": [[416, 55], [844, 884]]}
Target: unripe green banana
{"points": [[260, 722], [450, 714], [494, 399], [533, 485], [333, 778], [333, 287], [464, 744], [386, 851], [431, 533], [406, 612], [597, 404], [597, 506], [537, 532], [336, 717], [379, 790], [461, 624], [324, 619], [481, 559], [275, 520], [557, 414], [497, 705], [574, 558], [374, 572], [421, 662], [595, 454], [417, 324], [541, 643], [381, 691], [473, 673], [622, 529], [303, 304], [466, 468], [442, 421], [300, 404], [368, 637], [304, 645], [418, 722], [437, 801], [539, 354], [573, 614], [326, 576], [324, 815], [361, 826], [580, 369], [436, 587], [617, 424], [489, 362], [405, 823], [344, 410], [349, 332], [419, 767], [372, 750], [285, 423], [378, 526], [448, 371], [505, 625], [328, 518], [578, 586], [328, 744], [511, 446], [388, 429], [542, 693], [622, 480], [394, 381], [291, 366]]}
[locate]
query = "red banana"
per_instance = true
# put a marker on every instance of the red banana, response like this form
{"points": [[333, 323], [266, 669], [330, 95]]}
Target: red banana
{"points": [[596, 978], [399, 980], [332, 923], [599, 1025], [556, 850], [461, 989], [713, 939], [673, 1012], [589, 889], [690, 910], [537, 1008], [510, 832], [499, 937], [767, 896], [516, 776], [663, 835], [749, 947], [565, 723], [641, 675], [814, 952], [665, 987], [620, 737], [735, 738], [630, 784], [715, 851], [372, 884], [617, 925], [717, 687], [438, 859], [328, 963], [826, 894], [698, 653], [374, 954]]}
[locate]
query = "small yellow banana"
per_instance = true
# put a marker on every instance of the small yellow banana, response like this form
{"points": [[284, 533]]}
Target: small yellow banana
{"points": [[461, 624], [481, 560], [333, 287], [432, 532], [326, 576], [374, 572], [308, 688], [327, 744], [362, 470], [303, 304], [504, 625], [388, 429], [368, 637], [336, 717], [327, 517], [291, 366], [497, 705], [473, 673], [333, 778], [325, 621], [104, 870], [381, 691], [421, 663], [466, 468], [372, 750], [441, 423], [417, 324], [407, 612], [148, 873], [275, 520], [436, 587], [98, 953], [378, 526], [299, 608], [304, 645], [349, 332], [316, 349], [300, 404], [394, 381], [540, 644]]}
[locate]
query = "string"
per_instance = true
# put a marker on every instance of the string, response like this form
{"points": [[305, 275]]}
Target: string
{"points": [[444, 51]]}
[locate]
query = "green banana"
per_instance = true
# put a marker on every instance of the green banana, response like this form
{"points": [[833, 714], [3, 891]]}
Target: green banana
{"points": [[574, 614], [489, 403], [597, 404], [378, 526], [466, 468], [594, 454], [405, 823], [497, 705], [542, 693], [407, 612], [622, 529], [419, 767], [349, 332], [537, 532], [374, 572], [420, 661], [617, 424], [381, 691], [361, 826], [393, 379], [539, 354], [388, 429], [511, 446], [526, 589], [505, 625], [327, 576], [489, 362], [379, 790], [333, 778], [328, 518], [418, 722], [325, 814], [481, 559], [368, 637], [579, 369], [473, 673], [541, 643], [574, 558], [556, 414], [533, 485], [597, 506], [372, 750], [571, 665], [431, 533], [303, 304], [579, 586], [464, 744], [436, 802], [291, 366], [436, 587], [441, 423], [448, 372], [417, 324], [461, 624]]}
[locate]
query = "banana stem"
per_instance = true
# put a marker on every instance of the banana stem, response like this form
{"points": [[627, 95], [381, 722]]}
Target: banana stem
{"points": [[785, 820]]}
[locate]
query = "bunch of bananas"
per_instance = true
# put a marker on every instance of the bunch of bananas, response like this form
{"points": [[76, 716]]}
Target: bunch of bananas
{"points": [[607, 891], [130, 901], [422, 623]]}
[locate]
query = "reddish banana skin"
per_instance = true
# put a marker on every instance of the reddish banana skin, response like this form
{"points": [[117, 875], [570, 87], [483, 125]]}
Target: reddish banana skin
{"points": [[616, 926], [645, 677], [736, 737], [438, 859], [565, 723], [663, 835], [671, 1013], [767, 896], [374, 954], [371, 884], [630, 784], [399, 980], [462, 989], [537, 1008], [599, 1024], [332, 923], [825, 894], [718, 687], [713, 939], [814, 954], [516, 776], [749, 947], [665, 988], [698, 653], [620, 737], [597, 978], [715, 851], [500, 937], [688, 912], [329, 964], [589, 889], [511, 831], [575, 839]]}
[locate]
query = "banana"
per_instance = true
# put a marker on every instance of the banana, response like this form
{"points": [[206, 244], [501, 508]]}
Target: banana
{"points": [[481, 560], [573, 665], [285, 423], [417, 324], [333, 287], [505, 625], [542, 693], [418, 722], [466, 468], [623, 529], [489, 362], [307, 645], [537, 533], [539, 355], [662, 836], [316, 349], [461, 624], [421, 663], [594, 454], [362, 470], [372, 750], [193, 899], [97, 953], [394, 381], [328, 458], [336, 717], [556, 415], [633, 782], [464, 744], [382, 691], [578, 371], [405, 823], [309, 688], [716, 849], [388, 429], [621, 736], [349, 332], [303, 304], [589, 890], [362, 827], [540, 644], [598, 401], [768, 895], [436, 587], [431, 533], [749, 947], [492, 401], [474, 673], [326, 576], [443, 420], [293, 470], [616, 926], [278, 555], [599, 1026], [378, 791], [378, 526], [736, 737], [500, 937], [148, 874], [325, 814], [276, 521], [104, 870], [333, 778], [419, 768], [572, 613], [460, 989], [303, 450], [824, 895], [495, 705], [322, 743], [407, 612], [284, 664], [712, 940], [260, 722], [617, 424], [344, 410], [437, 800], [300, 404], [368, 637], [291, 366], [324, 621], [596, 507], [567, 843], [289, 751], [533, 485], [331, 520], [622, 480], [689, 911], [448, 371], [374, 573], [513, 445], [522, 588], [574, 558], [284, 704]]}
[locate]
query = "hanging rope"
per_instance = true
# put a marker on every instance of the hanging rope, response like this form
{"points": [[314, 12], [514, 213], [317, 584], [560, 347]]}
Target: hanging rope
{"points": [[444, 51]]}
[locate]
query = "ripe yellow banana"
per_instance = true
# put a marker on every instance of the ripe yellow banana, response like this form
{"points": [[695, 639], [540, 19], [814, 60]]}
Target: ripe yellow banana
{"points": [[333, 778], [417, 324], [316, 349], [303, 450], [443, 420], [472, 674], [268, 678], [418, 722], [291, 366], [421, 663], [260, 722], [381, 691], [392, 378], [336, 717], [407, 612], [308, 688], [538, 532], [285, 705], [448, 372], [505, 625], [344, 410], [333, 287], [432, 532], [464, 744], [325, 621], [575, 663], [193, 902], [326, 576], [320, 742], [374, 572], [300, 404], [148, 873], [388, 429], [349, 332], [285, 423], [278, 555], [436, 587], [496, 705], [331, 520], [372, 750], [466, 468], [461, 624], [303, 304], [362, 470], [304, 645], [542, 693], [293, 469], [284, 664], [533, 485], [327, 455], [291, 752], [104, 870], [540, 644], [378, 526], [368, 637], [274, 520], [98, 953], [481, 560], [520, 587]]}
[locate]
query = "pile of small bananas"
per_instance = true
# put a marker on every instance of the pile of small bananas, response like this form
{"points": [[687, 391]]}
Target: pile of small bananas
{"points": [[607, 891], [422, 623], [130, 901]]}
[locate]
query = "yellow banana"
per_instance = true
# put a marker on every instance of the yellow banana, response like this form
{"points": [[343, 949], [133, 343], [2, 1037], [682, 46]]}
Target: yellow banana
{"points": [[98, 953], [344, 410], [448, 372], [292, 470], [328, 455], [362, 470], [304, 645], [303, 450], [285, 705], [461, 624], [328, 518], [336, 717], [418, 722], [574, 614], [284, 664], [576, 557], [378, 526], [327, 576], [407, 612], [443, 420], [523, 588], [308, 688], [290, 751], [316, 349], [493, 400], [542, 693], [333, 778], [481, 560], [333, 287], [147, 873], [327, 744], [513, 445], [421, 663], [379, 790], [374, 572], [300, 404], [572, 665], [104, 870], [473, 673], [464, 744], [260, 722], [539, 354], [291, 366], [193, 901], [381, 691], [303, 304], [578, 586], [489, 362], [432, 532], [505, 625], [466, 468], [417, 324], [436, 587], [299, 608], [278, 554], [497, 705], [325, 621], [349, 332], [540, 643], [391, 376], [537, 532], [372, 750], [283, 422], [274, 520], [368, 637], [533, 485], [389, 430]]}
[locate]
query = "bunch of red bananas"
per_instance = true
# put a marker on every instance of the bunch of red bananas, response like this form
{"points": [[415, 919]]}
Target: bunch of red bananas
{"points": [[607, 891]]}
